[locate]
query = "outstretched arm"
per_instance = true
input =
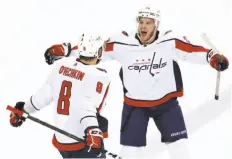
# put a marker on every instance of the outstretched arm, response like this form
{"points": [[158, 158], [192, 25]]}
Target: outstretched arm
{"points": [[198, 54]]}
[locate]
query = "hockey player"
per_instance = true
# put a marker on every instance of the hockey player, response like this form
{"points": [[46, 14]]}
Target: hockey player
{"points": [[152, 80], [78, 89]]}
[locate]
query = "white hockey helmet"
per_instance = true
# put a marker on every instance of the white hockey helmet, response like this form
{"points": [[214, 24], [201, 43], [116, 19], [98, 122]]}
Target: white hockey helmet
{"points": [[91, 46], [148, 12]]}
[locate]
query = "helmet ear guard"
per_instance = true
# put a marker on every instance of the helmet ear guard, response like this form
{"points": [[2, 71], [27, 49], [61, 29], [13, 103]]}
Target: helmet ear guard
{"points": [[100, 50]]}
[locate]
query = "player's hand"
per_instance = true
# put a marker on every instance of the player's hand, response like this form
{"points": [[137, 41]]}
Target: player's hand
{"points": [[16, 120], [56, 52], [94, 140], [219, 62]]}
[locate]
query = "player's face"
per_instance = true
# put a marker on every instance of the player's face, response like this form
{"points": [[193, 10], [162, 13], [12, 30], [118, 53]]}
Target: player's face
{"points": [[146, 29]]}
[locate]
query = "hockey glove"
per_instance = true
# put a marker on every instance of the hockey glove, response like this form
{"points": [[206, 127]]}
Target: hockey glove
{"points": [[56, 52], [16, 120], [94, 140], [218, 62]]}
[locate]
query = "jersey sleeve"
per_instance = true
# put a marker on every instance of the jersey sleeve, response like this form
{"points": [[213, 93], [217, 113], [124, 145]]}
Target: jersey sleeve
{"points": [[94, 93], [44, 96], [40, 99], [111, 50], [186, 51], [74, 51]]}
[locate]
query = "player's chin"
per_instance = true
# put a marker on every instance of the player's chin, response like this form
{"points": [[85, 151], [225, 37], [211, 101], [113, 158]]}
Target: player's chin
{"points": [[144, 38]]}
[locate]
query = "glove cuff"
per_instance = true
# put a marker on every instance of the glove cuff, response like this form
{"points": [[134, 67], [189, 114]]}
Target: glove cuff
{"points": [[210, 54], [19, 105], [67, 49], [90, 127], [95, 131]]}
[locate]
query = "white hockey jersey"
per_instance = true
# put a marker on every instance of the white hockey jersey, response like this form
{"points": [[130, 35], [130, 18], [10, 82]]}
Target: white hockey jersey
{"points": [[150, 73], [78, 92]]}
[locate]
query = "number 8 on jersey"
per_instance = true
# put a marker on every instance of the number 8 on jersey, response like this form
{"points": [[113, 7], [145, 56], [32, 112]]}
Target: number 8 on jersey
{"points": [[63, 101]]}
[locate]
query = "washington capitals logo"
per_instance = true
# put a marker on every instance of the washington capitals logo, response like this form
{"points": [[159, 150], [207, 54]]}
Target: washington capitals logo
{"points": [[148, 65]]}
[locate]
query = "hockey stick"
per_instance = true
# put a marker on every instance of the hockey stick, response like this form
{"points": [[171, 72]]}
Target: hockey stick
{"points": [[25, 115], [213, 47]]}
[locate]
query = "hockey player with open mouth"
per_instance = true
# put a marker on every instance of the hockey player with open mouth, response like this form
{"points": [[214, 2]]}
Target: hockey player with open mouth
{"points": [[152, 80]]}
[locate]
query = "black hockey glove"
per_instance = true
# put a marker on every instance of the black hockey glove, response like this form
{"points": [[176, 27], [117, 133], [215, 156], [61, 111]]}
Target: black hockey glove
{"points": [[16, 120]]}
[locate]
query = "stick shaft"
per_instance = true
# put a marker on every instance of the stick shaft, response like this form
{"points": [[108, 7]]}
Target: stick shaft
{"points": [[214, 48]]}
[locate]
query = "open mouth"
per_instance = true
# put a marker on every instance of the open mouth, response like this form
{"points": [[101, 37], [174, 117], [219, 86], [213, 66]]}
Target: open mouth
{"points": [[143, 33]]}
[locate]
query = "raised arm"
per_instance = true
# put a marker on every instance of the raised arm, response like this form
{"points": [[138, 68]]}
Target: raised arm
{"points": [[198, 54]]}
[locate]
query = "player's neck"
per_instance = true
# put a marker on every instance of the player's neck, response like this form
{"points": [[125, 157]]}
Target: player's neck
{"points": [[92, 62]]}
